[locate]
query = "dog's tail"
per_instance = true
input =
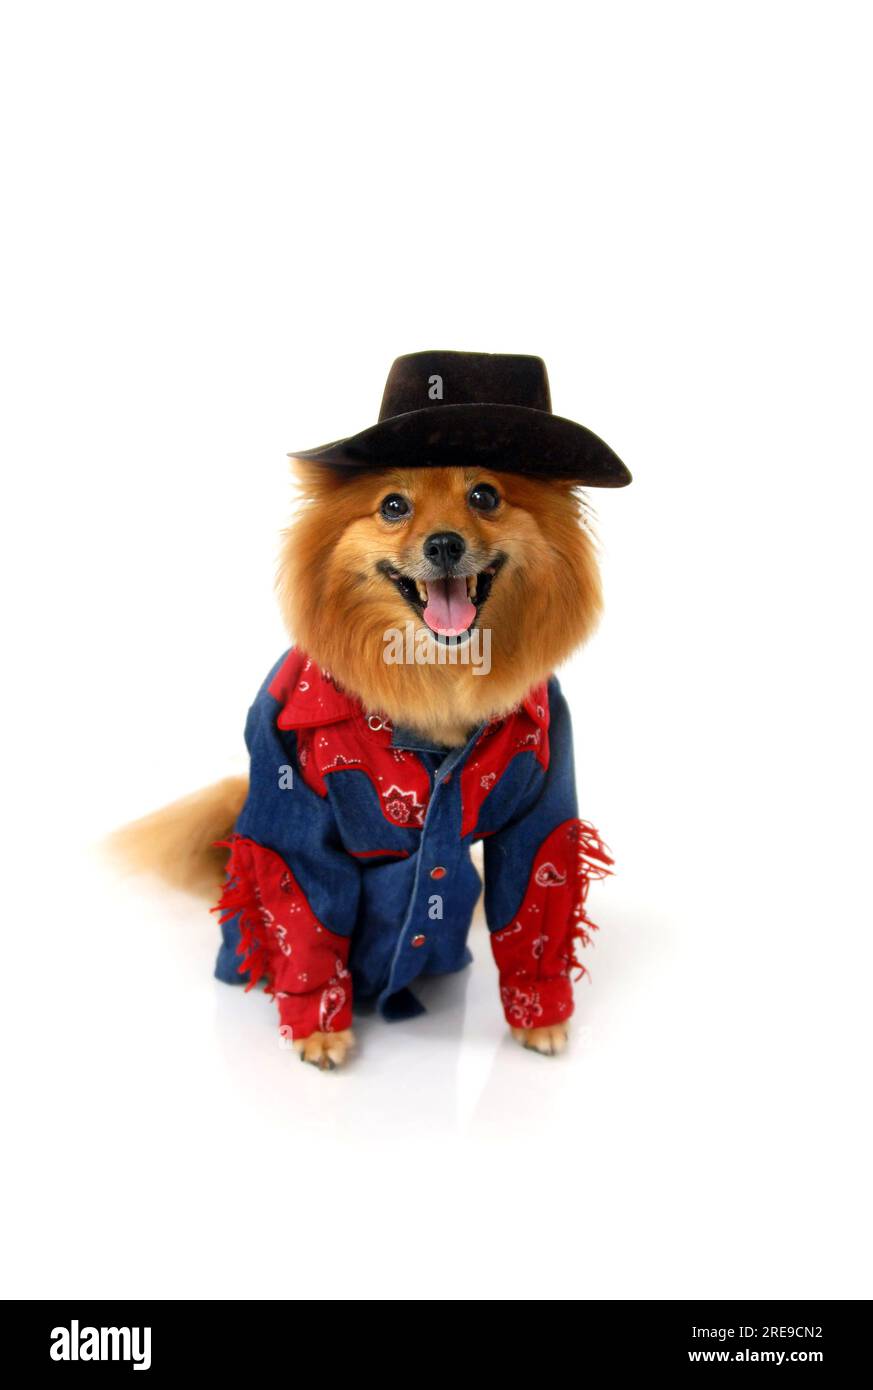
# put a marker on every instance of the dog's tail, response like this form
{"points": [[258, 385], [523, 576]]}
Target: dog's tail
{"points": [[178, 843]]}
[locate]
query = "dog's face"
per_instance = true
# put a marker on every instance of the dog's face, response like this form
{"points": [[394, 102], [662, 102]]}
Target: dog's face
{"points": [[449, 551], [444, 548]]}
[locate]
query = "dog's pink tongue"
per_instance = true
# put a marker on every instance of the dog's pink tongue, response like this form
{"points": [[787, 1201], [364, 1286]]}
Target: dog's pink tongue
{"points": [[449, 611]]}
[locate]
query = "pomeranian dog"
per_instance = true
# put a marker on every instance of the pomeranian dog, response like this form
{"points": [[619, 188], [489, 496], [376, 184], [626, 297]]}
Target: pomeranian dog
{"points": [[439, 569]]}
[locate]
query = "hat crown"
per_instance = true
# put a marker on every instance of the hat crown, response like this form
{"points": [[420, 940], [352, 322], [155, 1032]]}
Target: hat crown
{"points": [[421, 380]]}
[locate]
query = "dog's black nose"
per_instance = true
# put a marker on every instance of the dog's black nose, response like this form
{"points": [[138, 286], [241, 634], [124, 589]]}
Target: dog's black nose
{"points": [[444, 548]]}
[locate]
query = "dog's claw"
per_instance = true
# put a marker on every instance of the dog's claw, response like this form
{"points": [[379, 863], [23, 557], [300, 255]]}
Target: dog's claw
{"points": [[326, 1051], [547, 1041]]}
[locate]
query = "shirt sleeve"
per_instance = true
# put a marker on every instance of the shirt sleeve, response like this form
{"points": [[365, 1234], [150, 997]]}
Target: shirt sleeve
{"points": [[290, 901], [538, 869]]}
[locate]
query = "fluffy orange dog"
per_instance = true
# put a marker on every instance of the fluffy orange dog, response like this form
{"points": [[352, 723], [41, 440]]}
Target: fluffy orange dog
{"points": [[439, 569]]}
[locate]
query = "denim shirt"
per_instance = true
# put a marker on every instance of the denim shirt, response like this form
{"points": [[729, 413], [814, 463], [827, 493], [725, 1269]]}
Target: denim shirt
{"points": [[350, 871]]}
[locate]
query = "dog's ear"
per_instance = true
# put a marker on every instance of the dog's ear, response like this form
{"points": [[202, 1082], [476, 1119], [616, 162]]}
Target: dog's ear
{"points": [[314, 480]]}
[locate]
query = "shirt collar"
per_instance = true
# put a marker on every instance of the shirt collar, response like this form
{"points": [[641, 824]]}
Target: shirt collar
{"points": [[415, 742], [535, 705], [311, 698]]}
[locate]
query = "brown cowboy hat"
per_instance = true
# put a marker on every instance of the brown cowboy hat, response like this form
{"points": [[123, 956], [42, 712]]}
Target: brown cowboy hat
{"points": [[448, 408]]}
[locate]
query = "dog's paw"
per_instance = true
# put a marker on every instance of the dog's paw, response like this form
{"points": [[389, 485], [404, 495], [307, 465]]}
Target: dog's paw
{"points": [[550, 1041], [325, 1050]]}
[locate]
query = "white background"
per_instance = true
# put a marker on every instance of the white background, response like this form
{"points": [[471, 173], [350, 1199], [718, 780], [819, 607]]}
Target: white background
{"points": [[222, 222]]}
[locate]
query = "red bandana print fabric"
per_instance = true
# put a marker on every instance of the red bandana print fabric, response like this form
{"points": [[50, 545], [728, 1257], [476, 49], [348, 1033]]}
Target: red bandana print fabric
{"points": [[283, 943], [400, 778], [335, 734], [526, 728], [536, 953]]}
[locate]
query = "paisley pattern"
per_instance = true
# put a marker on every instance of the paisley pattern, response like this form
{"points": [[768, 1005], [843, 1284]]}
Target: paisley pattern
{"points": [[547, 876], [521, 1006], [333, 998]]}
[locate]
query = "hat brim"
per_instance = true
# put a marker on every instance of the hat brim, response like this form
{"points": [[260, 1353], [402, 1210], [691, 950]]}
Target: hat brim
{"points": [[505, 438]]}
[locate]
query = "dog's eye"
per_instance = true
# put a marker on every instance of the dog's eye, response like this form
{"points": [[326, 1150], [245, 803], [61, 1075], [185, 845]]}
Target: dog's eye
{"points": [[394, 507], [484, 498]]}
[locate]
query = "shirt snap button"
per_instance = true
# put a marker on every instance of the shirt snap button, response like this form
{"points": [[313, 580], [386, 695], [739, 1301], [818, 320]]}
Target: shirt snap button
{"points": [[419, 940], [438, 871]]}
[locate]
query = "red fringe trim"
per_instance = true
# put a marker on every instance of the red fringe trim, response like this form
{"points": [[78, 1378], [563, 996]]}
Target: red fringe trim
{"points": [[241, 895], [594, 862]]}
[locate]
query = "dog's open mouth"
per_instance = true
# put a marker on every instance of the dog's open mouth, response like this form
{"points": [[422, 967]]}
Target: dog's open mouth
{"points": [[449, 605]]}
